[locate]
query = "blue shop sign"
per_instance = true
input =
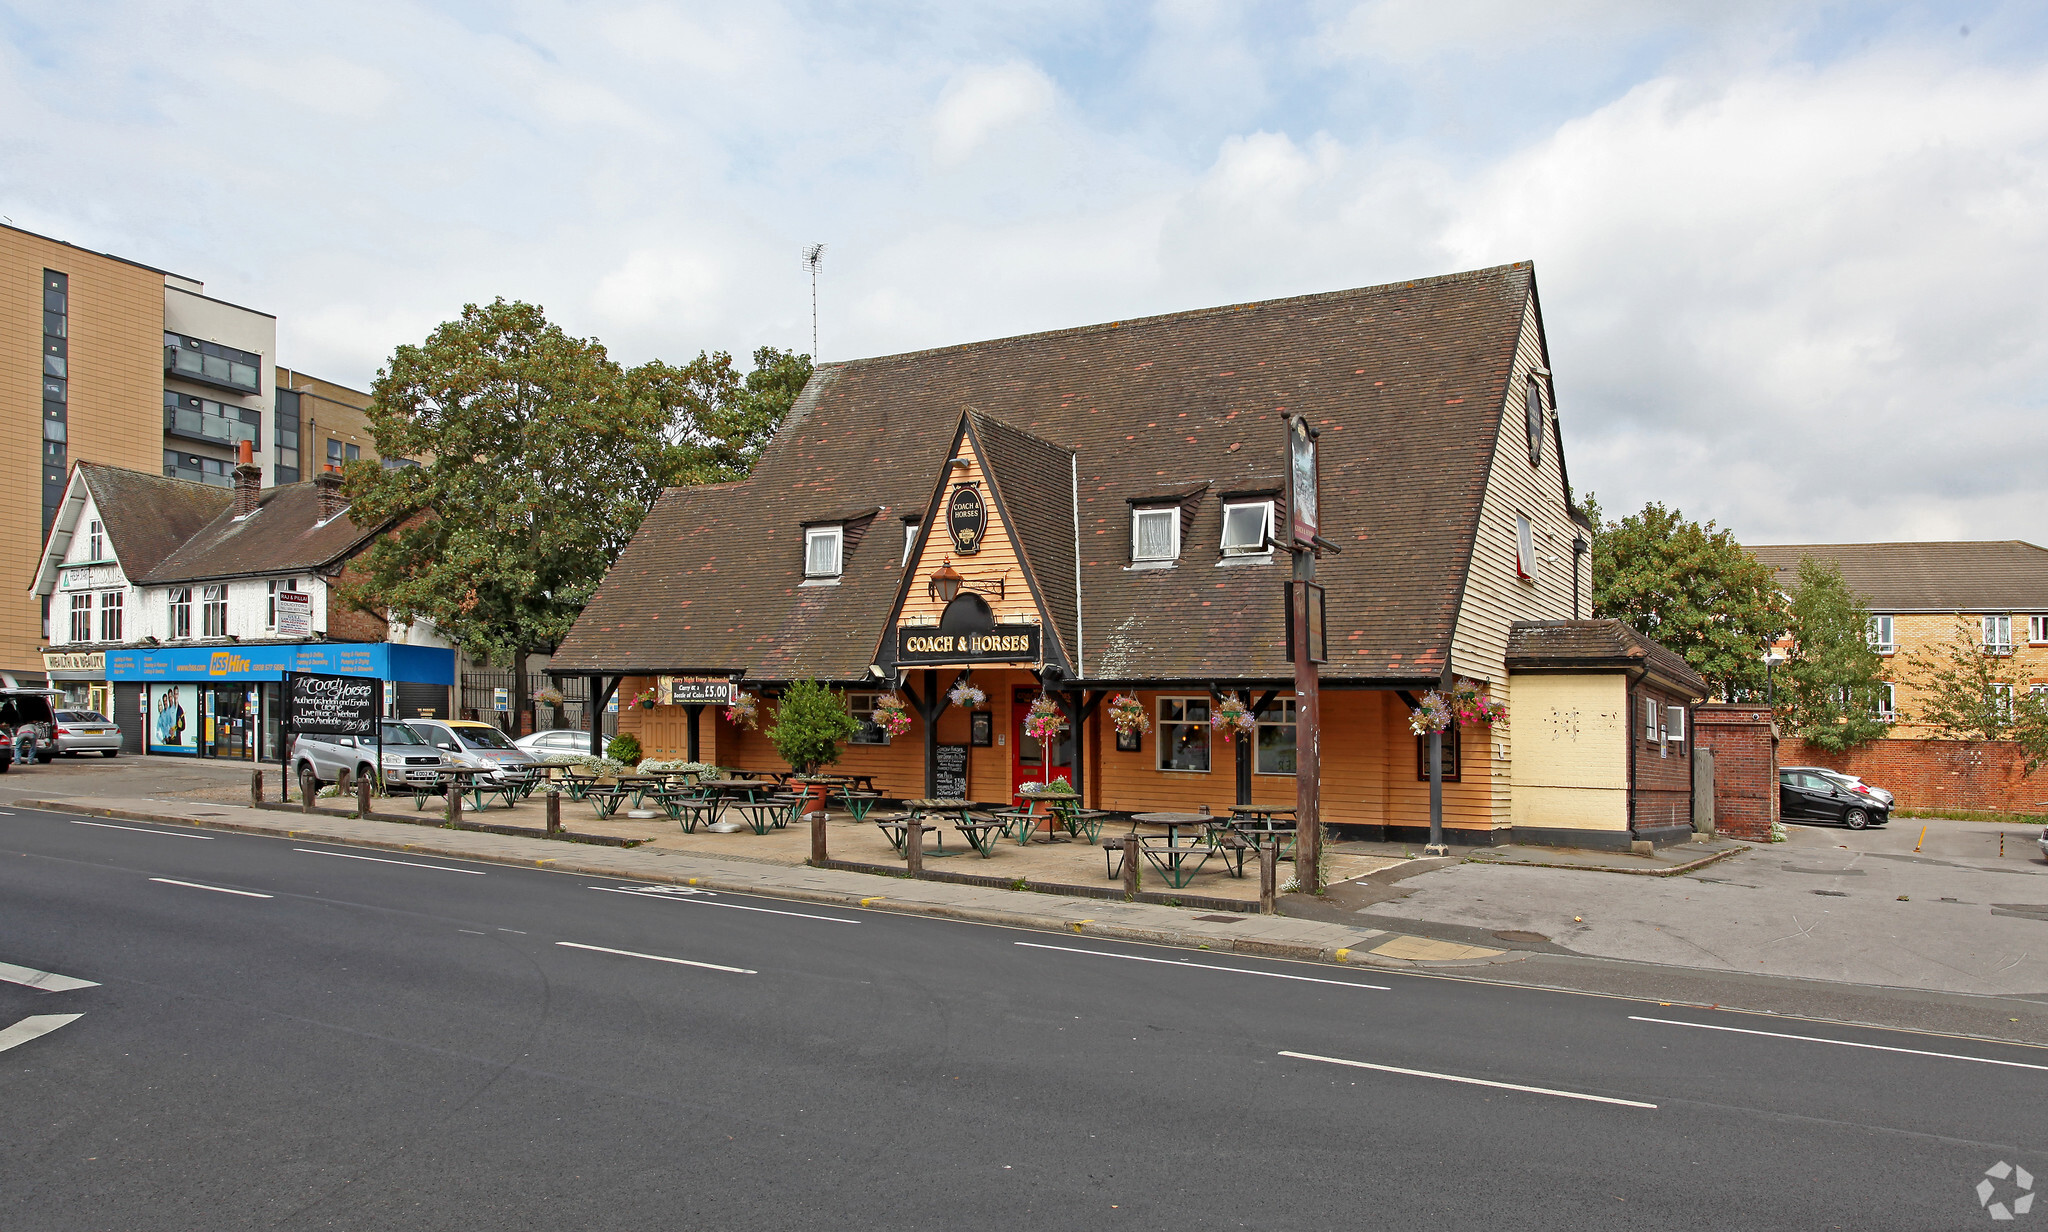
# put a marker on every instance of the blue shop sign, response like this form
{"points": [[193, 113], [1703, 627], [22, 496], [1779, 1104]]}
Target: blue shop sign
{"points": [[383, 660]]}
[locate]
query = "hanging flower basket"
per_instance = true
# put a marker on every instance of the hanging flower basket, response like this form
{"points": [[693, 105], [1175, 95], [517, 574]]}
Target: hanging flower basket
{"points": [[646, 698], [1433, 715], [1128, 715], [892, 715], [548, 697], [1231, 717], [1476, 706], [966, 696], [1044, 722], [745, 711]]}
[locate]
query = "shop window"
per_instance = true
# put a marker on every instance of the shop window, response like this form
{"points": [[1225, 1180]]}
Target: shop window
{"points": [[110, 615], [1184, 733], [1453, 756], [1155, 534], [1881, 635], [1248, 528], [863, 707], [181, 612], [81, 618], [214, 611], [1275, 753], [822, 551], [1525, 549]]}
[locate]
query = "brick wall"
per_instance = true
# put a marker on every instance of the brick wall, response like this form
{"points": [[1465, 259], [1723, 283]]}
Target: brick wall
{"points": [[1746, 758], [1936, 773]]}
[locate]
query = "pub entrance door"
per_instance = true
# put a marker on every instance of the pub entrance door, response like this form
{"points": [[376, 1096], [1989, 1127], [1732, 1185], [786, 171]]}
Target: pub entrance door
{"points": [[1028, 760]]}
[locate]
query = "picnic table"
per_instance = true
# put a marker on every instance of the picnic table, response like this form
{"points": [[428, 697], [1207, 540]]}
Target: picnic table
{"points": [[1176, 861], [740, 794], [896, 828], [640, 785], [859, 803], [981, 830]]}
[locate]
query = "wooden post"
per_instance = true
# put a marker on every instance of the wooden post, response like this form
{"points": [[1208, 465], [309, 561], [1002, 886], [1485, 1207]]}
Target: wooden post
{"points": [[913, 847], [818, 840], [454, 801], [341, 781], [1269, 875], [363, 797], [691, 712], [554, 813], [255, 787], [1131, 858], [1308, 762], [308, 788], [1436, 796]]}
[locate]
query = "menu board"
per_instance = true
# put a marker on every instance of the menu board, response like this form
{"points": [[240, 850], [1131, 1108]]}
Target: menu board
{"points": [[952, 776], [333, 705]]}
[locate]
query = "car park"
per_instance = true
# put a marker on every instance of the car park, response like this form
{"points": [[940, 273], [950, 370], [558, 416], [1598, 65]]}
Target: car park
{"points": [[1813, 795], [87, 731], [470, 745], [406, 758], [1855, 782], [555, 743]]}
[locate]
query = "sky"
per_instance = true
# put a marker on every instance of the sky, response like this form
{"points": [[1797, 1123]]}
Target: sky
{"points": [[1793, 257]]}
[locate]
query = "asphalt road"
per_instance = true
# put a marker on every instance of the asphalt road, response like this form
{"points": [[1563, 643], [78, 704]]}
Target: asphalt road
{"points": [[294, 1035]]}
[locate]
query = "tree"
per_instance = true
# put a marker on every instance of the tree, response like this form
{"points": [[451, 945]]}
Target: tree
{"points": [[1690, 587], [725, 418], [540, 462], [1958, 694], [811, 722], [1833, 676]]}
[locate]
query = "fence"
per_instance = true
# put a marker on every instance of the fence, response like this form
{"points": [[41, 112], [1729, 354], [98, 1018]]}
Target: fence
{"points": [[482, 691]]}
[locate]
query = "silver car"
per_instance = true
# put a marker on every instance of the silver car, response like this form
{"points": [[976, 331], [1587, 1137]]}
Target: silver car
{"points": [[87, 731], [471, 745], [406, 759]]}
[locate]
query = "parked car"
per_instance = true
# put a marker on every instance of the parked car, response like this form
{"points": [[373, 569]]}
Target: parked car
{"points": [[407, 758], [37, 709], [1855, 783], [87, 731], [474, 746], [1818, 795], [541, 744]]}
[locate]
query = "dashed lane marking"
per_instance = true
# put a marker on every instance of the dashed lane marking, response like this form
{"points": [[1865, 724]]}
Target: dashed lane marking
{"points": [[1820, 1039], [33, 1027], [194, 885], [681, 962], [107, 825], [698, 898], [1474, 1082], [1181, 962], [48, 981], [343, 855]]}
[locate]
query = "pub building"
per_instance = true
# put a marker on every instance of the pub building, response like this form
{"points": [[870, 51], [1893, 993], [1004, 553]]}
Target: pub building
{"points": [[1105, 511]]}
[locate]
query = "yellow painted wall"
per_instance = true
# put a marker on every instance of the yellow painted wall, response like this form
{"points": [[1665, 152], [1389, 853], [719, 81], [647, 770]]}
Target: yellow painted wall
{"points": [[1571, 752]]}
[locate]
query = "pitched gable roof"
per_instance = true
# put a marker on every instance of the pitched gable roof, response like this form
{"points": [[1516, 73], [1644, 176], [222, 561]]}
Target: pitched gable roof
{"points": [[2003, 575], [284, 535], [147, 517], [1406, 381], [1578, 645]]}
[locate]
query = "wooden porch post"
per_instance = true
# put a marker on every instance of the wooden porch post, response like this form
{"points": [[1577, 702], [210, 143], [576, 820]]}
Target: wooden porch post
{"points": [[691, 712]]}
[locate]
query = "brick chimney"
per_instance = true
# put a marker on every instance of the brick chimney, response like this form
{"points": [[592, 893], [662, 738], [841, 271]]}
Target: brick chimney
{"points": [[329, 484], [248, 480]]}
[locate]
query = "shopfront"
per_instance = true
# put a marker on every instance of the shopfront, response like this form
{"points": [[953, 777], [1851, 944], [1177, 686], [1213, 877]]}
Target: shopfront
{"points": [[81, 678], [209, 701]]}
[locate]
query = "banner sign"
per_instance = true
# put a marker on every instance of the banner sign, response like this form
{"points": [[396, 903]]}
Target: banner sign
{"points": [[333, 705], [75, 661], [924, 645], [695, 691]]}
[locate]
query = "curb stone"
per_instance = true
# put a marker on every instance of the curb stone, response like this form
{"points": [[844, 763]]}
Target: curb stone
{"points": [[576, 860]]}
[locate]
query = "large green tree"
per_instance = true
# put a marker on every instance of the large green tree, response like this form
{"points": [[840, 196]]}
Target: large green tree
{"points": [[1832, 678], [724, 418], [1962, 693], [1693, 588]]}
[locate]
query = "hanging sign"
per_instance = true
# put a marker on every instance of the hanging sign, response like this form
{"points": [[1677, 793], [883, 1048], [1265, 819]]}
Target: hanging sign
{"points": [[691, 691], [1301, 488], [924, 645], [333, 705], [966, 519], [1308, 597]]}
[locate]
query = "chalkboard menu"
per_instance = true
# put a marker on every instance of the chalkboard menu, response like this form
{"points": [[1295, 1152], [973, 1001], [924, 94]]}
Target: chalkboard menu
{"points": [[333, 705], [952, 777]]}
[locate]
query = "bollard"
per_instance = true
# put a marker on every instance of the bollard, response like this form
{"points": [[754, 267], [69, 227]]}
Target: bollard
{"points": [[363, 797], [554, 813], [309, 787], [913, 846], [255, 787], [1269, 876], [817, 840], [454, 803], [341, 783], [1131, 858]]}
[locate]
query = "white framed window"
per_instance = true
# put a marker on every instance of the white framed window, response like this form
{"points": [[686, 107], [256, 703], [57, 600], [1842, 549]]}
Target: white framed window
{"points": [[1885, 703], [2001, 696], [910, 526], [2037, 630], [1881, 635], [1184, 733], [214, 611], [822, 550], [181, 612], [111, 602], [96, 541], [863, 707], [1155, 534], [289, 586], [1275, 749], [1674, 725], [1998, 635], [1525, 549], [1248, 528], [1533, 404], [1650, 717], [81, 618]]}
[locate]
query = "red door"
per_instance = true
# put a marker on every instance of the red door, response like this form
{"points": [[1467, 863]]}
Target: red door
{"points": [[1027, 758]]}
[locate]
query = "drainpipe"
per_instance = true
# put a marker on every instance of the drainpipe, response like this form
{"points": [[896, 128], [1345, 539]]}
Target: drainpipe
{"points": [[1579, 548]]}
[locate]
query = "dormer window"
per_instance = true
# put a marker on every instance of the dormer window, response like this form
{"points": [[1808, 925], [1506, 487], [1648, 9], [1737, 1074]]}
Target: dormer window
{"points": [[1155, 534], [1247, 528], [823, 550]]}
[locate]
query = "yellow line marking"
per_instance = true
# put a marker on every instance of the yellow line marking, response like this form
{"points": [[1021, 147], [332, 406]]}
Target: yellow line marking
{"points": [[874, 899], [1078, 924], [1343, 955], [543, 863]]}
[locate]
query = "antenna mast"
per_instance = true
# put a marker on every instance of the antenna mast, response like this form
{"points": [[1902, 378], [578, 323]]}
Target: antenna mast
{"points": [[814, 256]]}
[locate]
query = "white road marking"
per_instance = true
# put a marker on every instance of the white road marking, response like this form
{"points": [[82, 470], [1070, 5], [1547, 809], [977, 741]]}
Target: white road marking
{"points": [[1818, 1039], [104, 825], [1476, 1082], [5, 813], [705, 902], [1175, 962], [216, 889], [31, 1027], [48, 981], [343, 855], [682, 962]]}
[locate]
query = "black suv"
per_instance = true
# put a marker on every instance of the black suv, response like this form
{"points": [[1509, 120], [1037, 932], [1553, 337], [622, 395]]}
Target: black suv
{"points": [[1815, 795]]}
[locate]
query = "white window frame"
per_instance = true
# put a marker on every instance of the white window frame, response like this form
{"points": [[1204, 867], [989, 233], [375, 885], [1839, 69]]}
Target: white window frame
{"points": [[1264, 546], [910, 529], [179, 599], [1166, 740], [1887, 700], [1172, 515], [1997, 634], [290, 586], [2001, 693], [1525, 548], [213, 611], [1674, 724], [1278, 713], [1882, 632], [112, 605], [1650, 718], [2037, 630], [81, 616], [862, 707], [836, 533], [96, 541]]}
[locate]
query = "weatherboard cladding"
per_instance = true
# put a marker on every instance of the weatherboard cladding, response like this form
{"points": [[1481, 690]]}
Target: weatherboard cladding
{"points": [[1406, 381]]}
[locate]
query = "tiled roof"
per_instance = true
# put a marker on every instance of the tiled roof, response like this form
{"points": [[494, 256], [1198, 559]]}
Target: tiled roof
{"points": [[1567, 644], [1997, 575], [1406, 381], [284, 535], [1035, 479], [147, 516]]}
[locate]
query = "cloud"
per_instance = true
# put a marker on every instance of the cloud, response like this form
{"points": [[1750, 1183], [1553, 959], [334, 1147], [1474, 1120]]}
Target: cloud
{"points": [[980, 102]]}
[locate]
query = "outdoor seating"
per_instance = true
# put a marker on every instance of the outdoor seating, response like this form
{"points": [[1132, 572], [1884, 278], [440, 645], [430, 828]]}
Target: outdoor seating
{"points": [[606, 800], [858, 803], [691, 810], [761, 815], [896, 828], [1177, 862], [981, 831]]}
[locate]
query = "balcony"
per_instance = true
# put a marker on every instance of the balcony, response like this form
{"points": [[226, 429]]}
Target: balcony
{"points": [[202, 419], [209, 363]]}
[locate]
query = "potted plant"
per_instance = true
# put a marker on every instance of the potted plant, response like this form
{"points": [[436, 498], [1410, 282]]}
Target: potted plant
{"points": [[1476, 706], [645, 698], [1127, 714], [811, 722]]}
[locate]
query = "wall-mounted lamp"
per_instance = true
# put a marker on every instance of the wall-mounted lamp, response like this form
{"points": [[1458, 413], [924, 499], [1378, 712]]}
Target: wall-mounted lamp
{"points": [[945, 582]]}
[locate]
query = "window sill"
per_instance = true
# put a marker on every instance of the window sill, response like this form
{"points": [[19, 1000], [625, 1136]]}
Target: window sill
{"points": [[1138, 565], [823, 581], [1180, 770], [1245, 558]]}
